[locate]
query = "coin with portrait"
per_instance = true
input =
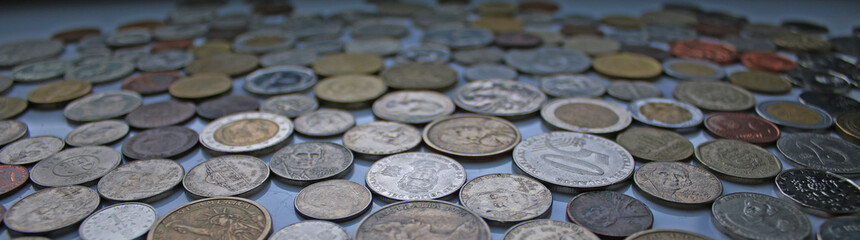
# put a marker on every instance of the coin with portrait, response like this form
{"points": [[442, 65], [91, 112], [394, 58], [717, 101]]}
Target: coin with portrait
{"points": [[214, 218], [415, 176], [422, 219], [677, 183], [506, 198], [738, 161], [471, 135], [747, 215], [609, 213]]}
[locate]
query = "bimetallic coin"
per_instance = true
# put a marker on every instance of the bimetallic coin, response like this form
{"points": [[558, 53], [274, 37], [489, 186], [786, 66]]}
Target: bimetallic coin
{"points": [[757, 216], [479, 55], [548, 60], [758, 81], [102, 105], [677, 183], [428, 76], [75, 166], [666, 113], [742, 126], [201, 86], [311, 230], [97, 133], [297, 57], [40, 71], [821, 152], [11, 130], [571, 85], [240, 218], [229, 175], [424, 54], [794, 114], [609, 214], [663, 234], [310, 162], [450, 221], [459, 38], [226, 105], [160, 114], [100, 72], [164, 61], [738, 161], [291, 105], [415, 176], [471, 135], [839, 228], [246, 132], [348, 63], [59, 92], [324, 122], [11, 106], [548, 229], [489, 71], [414, 107], [12, 177], [714, 96], [819, 192], [586, 115], [51, 209], [231, 64], [333, 200], [263, 41], [652, 144], [24, 51], [30, 150], [120, 221], [142, 180], [693, 69], [499, 97], [381, 138], [163, 142], [151, 83], [633, 90], [350, 89], [506, 198]]}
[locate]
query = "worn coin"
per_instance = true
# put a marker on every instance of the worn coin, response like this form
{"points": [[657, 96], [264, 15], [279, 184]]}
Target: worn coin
{"points": [[406, 75], [97, 133], [141, 180], [297, 57], [586, 115], [459, 38], [11, 107], [678, 183], [11, 130], [381, 138], [592, 45], [549, 229], [499, 97], [742, 126], [822, 152], [548, 60], [333, 200], [794, 114], [830, 102], [610, 214], [673, 234], [414, 107], [668, 33], [128, 38], [517, 40], [25, 51], [714, 52], [30, 150], [291, 105], [211, 48], [51, 209], [441, 220], [506, 198], [350, 89], [665, 112], [120, 221], [229, 175], [633, 90], [201, 86], [347, 63], [415, 176], [471, 135], [743, 44], [71, 35], [802, 42], [714, 96], [762, 82], [246, 132], [324, 46], [163, 142], [693, 69], [424, 54], [478, 55], [13, 177], [5, 83], [549, 38], [848, 126], [655, 53], [571, 85], [839, 228], [263, 41], [312, 229], [378, 46], [236, 218], [324, 122], [160, 114], [757, 216], [180, 31], [151, 83], [164, 61], [102, 105], [767, 61], [280, 80], [652, 144], [489, 71], [227, 63], [310, 162], [42, 70], [819, 192], [226, 105], [627, 65], [100, 72], [738, 161], [75, 166]]}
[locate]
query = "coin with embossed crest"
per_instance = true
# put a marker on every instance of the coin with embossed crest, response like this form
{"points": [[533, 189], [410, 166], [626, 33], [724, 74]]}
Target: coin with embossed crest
{"points": [[309, 162], [239, 218], [677, 183], [738, 161], [75, 166], [164, 61], [439, 220], [51, 209], [633, 90], [459, 38], [666, 234], [822, 152], [100, 71], [548, 229], [489, 71], [246, 132], [413, 106], [30, 150], [42, 70], [333, 200], [103, 105], [311, 229], [571, 85], [415, 176], [506, 198], [229, 175], [407, 75], [160, 114], [163, 142], [794, 114], [97, 133], [381, 138], [120, 221], [263, 41], [840, 228], [24, 51], [350, 89], [610, 214], [291, 105], [499, 97], [714, 96], [11, 130], [747, 215], [585, 115], [548, 60], [324, 122], [11, 106], [693, 69], [666, 113], [141, 180], [471, 135], [819, 192], [227, 63]]}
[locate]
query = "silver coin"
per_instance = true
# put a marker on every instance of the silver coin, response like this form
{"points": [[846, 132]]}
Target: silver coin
{"points": [[103, 105], [188, 15], [743, 44], [822, 152], [160, 114], [714, 95], [164, 61], [415, 176], [633, 90], [120, 221], [381, 138], [378, 46], [506, 198], [499, 97], [757, 216], [11, 130], [439, 220], [75, 166], [413, 106], [51, 209], [246, 132], [141, 180], [549, 38], [707, 70], [629, 38], [297, 57], [291, 105], [100, 72], [424, 54], [378, 30], [592, 45], [166, 142], [310, 162], [92, 44], [91, 57], [668, 33], [280, 80], [479, 55], [311, 230], [548, 229], [819, 192], [30, 150], [548, 60], [737, 161], [571, 85], [263, 42], [231, 21], [333, 200], [25, 51], [5, 83], [840, 228], [586, 115], [666, 113], [324, 122], [43, 70], [97, 133], [444, 15], [128, 38], [224, 176], [802, 116], [573, 160], [324, 46], [180, 31], [489, 71], [131, 54], [459, 38]]}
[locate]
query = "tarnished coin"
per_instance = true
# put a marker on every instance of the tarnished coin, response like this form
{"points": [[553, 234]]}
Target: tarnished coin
{"points": [[459, 38], [227, 63], [633, 90], [151, 83], [141, 180], [627, 65], [211, 48], [478, 55], [163, 142], [24, 51], [738, 161], [801, 42], [573, 160], [693, 69], [549, 229], [160, 114], [424, 54], [677, 183], [51, 209], [333, 200], [11, 107], [506, 198], [120, 221], [839, 228], [325, 122], [246, 132], [414, 107], [415, 176], [97, 133], [548, 60], [381, 138], [13, 177], [102, 105], [378, 30], [586, 115], [59, 92], [280, 80], [229, 175], [757, 216], [743, 44], [592, 45], [666, 113], [848, 126], [652, 144], [30, 150], [767, 61], [310, 162], [714, 96], [164, 61], [291, 105], [499, 97], [238, 218], [759, 81], [40, 71], [312, 229], [180, 31], [75, 166], [226, 105], [794, 114], [571, 85], [822, 152], [489, 71], [819, 192], [5, 83], [201, 86], [128, 38], [263, 41], [471, 135], [742, 126], [517, 39], [662, 234], [101, 71], [830, 102], [350, 89], [428, 76], [71, 35], [378, 46], [610, 214], [297, 57], [348, 63], [452, 222], [11, 130]]}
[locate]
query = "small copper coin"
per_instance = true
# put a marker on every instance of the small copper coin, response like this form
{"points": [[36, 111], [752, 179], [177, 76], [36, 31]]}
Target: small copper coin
{"points": [[609, 213], [742, 126], [160, 114], [74, 35], [517, 40], [144, 24], [151, 83], [717, 53], [12, 177], [767, 61], [226, 105], [163, 142]]}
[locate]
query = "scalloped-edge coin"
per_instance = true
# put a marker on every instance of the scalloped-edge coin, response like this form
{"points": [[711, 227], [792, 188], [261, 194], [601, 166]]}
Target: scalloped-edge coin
{"points": [[311, 229], [280, 80], [548, 229], [239, 215], [666, 113], [794, 114], [586, 115], [246, 132], [142, 180], [432, 214], [120, 221], [747, 215], [822, 152], [693, 69]]}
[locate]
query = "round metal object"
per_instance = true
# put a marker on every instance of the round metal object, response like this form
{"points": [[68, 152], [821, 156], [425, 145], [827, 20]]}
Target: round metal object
{"points": [[598, 212], [333, 200], [246, 132], [51, 209], [280, 80], [499, 97], [97, 133], [141, 180], [31, 150], [381, 138], [415, 176], [677, 183], [821, 152], [586, 115], [229, 175], [310, 162], [120, 221], [414, 107], [75, 166], [757, 216], [429, 213], [166, 142], [652, 144], [324, 122], [738, 161], [506, 198], [239, 215], [666, 113], [471, 135]]}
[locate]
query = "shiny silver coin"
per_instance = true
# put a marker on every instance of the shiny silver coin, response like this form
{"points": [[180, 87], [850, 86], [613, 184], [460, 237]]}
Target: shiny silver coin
{"points": [[489, 71], [548, 60], [51, 209], [633, 90], [794, 114], [378, 30], [840, 228], [128, 38], [97, 133], [324, 46], [263, 41], [585, 115], [743, 44], [11, 130], [414, 107], [499, 97], [310, 162], [488, 55], [164, 61], [424, 54], [683, 69], [459, 38], [415, 176], [120, 221], [678, 184], [398, 217], [311, 230], [291, 105], [819, 192], [573, 160], [101, 71], [42, 70], [381, 138], [297, 57], [224, 176], [506, 198], [280, 80], [571, 85], [822, 152], [103, 105], [30, 150], [324, 122], [333, 200], [246, 132], [665, 112], [378, 46], [142, 180], [180, 31], [25, 51], [548, 229], [166, 142], [75, 166], [757, 216]]}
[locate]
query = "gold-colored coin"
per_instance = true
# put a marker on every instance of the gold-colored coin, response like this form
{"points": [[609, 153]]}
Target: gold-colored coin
{"points": [[59, 92], [210, 48], [11, 106], [227, 63], [496, 9], [350, 88], [622, 22], [348, 63], [665, 112], [253, 131], [848, 124], [499, 24], [201, 86], [627, 65], [801, 42], [758, 81], [793, 113], [214, 218]]}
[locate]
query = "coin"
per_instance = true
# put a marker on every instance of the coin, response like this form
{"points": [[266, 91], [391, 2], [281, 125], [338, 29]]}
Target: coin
{"points": [[415, 176], [665, 112], [674, 234], [246, 132], [147, 24], [97, 133], [592, 45], [759, 81], [627, 65], [297, 57], [821, 152], [444, 216], [347, 63], [75, 34], [459, 38], [668, 33], [496, 9], [350, 89], [309, 162], [312, 229], [101, 71], [548, 60], [757, 216], [151, 83], [142, 180], [68, 206], [569, 160], [652, 144], [830, 102], [13, 177], [201, 86], [172, 45], [11, 107], [839, 228], [489, 71], [428, 76], [738, 161], [742, 126], [210, 48], [846, 45], [226, 63], [678, 184], [128, 38], [693, 69], [324, 46], [825, 81], [381, 138], [743, 44], [714, 96], [622, 22], [498, 24], [801, 42], [11, 130], [229, 175], [585, 115], [545, 228], [160, 114], [424, 54], [548, 38], [180, 30], [324, 122], [506, 198], [30, 150], [102, 105], [75, 166], [794, 114], [42, 70], [280, 80], [571, 85], [499, 97], [577, 30], [378, 46], [601, 211], [240, 218], [59, 92], [120, 221], [262, 41], [378, 30], [717, 30], [5, 83], [226, 105], [164, 61], [637, 42], [471, 135], [633, 90], [655, 53], [25, 51], [478, 55], [819, 192], [163, 142], [714, 52], [517, 40], [333, 200], [848, 126], [291, 105], [414, 107], [767, 61]]}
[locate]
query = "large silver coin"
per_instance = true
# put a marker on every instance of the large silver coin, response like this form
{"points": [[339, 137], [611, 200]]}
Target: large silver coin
{"points": [[309, 162], [246, 132], [488, 55], [291, 105], [548, 60], [141, 180], [103, 105], [164, 61], [822, 152], [51, 209], [30, 150], [586, 115], [489, 71], [415, 176], [506, 198], [840, 228], [39, 71], [224, 176], [413, 106], [100, 71], [679, 184], [738, 161], [11, 130], [311, 230], [97, 133], [166, 142], [499, 97], [471, 135], [757, 216], [280, 80], [379, 46], [548, 229], [24, 51], [424, 54], [572, 85], [381, 138], [666, 113], [459, 38], [120, 221], [263, 41], [438, 220], [333, 200], [75, 166], [819, 192]]}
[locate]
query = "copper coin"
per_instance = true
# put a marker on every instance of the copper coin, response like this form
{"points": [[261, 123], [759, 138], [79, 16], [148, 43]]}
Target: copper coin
{"points": [[742, 126], [538, 6], [717, 30], [12, 177], [160, 114], [714, 52], [655, 53], [609, 213], [517, 40], [149, 25], [227, 105], [181, 44], [76, 34], [767, 61], [151, 83], [574, 30]]}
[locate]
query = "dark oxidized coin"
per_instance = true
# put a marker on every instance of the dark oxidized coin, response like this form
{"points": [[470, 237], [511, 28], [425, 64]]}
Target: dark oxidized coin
{"points": [[517, 40], [847, 45], [227, 105], [802, 26], [151, 83], [12, 177], [822, 152], [830, 102], [160, 143], [742, 126], [609, 213], [160, 114], [819, 192], [840, 228]]}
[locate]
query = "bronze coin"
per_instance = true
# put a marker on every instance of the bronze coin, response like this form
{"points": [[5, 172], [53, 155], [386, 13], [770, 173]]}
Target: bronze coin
{"points": [[742, 126], [151, 83], [76, 34], [226, 105], [517, 40], [149, 25], [160, 114], [12, 177], [609, 213], [160, 143]]}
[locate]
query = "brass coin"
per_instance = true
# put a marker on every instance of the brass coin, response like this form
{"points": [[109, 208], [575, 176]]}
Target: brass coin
{"points": [[227, 63], [350, 88], [652, 144], [758, 81], [348, 63], [419, 76], [627, 65], [214, 218], [201, 86], [793, 113], [848, 124], [499, 24], [471, 135], [210, 48], [59, 92], [622, 22], [11, 106]]}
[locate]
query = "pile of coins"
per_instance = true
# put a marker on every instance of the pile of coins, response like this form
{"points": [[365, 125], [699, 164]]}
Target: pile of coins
{"points": [[303, 74]]}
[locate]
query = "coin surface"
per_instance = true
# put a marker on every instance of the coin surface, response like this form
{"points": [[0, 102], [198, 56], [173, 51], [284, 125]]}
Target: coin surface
{"points": [[229, 175], [163, 142], [164, 61], [424, 54], [471, 135], [674, 234], [13, 177], [100, 71], [801, 42], [592, 45], [280, 80], [160, 114], [738, 161], [499, 97], [830, 102], [102, 105], [571, 85], [381, 138], [489, 71], [347, 63], [333, 200], [246, 132], [741, 126], [310, 162], [11, 130], [378, 46], [767, 61], [693, 69], [848, 126], [545, 228], [141, 180], [633, 90], [128, 38], [226, 105], [312, 229], [297, 57], [42, 70], [201, 86], [585, 115], [762, 82], [756, 216], [263, 41], [136, 219], [59, 92], [627, 65], [498, 24], [5, 83], [226, 63], [23, 51], [839, 228], [669, 33], [75, 166], [506, 198], [11, 106], [345, 89], [291, 105], [714, 52], [450, 221], [548, 60], [714, 96], [30, 150], [240, 218], [478, 55], [406, 75], [822, 152], [325, 122], [97, 133], [415, 176], [180, 30], [794, 114], [819, 192], [151, 83], [75, 34], [459, 38], [413, 106], [665, 112], [378, 30], [652, 144], [210, 48], [609, 213], [678, 183], [68, 205]]}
